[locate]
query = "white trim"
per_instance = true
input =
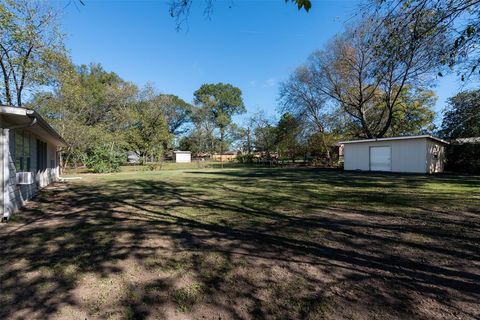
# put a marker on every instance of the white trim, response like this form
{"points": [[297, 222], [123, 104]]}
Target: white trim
{"points": [[15, 110], [426, 136], [37, 121]]}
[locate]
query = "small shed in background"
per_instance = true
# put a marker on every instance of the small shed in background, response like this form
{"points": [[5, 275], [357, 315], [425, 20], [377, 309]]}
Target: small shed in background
{"points": [[413, 154], [182, 156], [133, 157]]}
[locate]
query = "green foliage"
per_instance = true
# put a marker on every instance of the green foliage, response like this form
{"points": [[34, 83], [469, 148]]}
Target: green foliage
{"points": [[373, 73], [30, 45], [265, 138], [456, 20], [462, 120], [413, 113], [177, 112], [463, 158], [86, 108], [218, 103], [245, 158], [288, 136], [104, 159], [323, 146], [305, 4], [221, 100], [146, 127], [462, 117]]}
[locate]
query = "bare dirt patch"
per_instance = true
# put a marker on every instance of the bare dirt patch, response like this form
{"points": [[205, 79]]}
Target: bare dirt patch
{"points": [[245, 244]]}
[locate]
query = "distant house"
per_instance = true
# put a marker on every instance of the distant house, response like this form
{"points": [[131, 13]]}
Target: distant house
{"points": [[414, 154], [29, 156], [226, 156], [182, 156]]}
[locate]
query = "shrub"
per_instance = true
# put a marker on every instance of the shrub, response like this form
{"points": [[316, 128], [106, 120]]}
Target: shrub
{"points": [[104, 159], [245, 158], [463, 158]]}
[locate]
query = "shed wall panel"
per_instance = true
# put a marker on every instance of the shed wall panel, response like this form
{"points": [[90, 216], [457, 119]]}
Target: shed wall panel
{"points": [[407, 155], [183, 157]]}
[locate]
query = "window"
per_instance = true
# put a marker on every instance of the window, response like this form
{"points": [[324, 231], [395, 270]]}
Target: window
{"points": [[22, 151], [41, 155]]}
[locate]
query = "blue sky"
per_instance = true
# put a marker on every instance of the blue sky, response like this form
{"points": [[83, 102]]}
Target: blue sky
{"points": [[251, 44]]}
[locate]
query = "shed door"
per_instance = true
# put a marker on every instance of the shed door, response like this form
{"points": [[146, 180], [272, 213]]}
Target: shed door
{"points": [[381, 158]]}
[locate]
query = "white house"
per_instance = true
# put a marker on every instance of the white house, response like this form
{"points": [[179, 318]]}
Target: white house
{"points": [[182, 156], [28, 158], [414, 154]]}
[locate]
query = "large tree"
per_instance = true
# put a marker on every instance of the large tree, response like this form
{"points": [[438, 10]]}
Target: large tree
{"points": [[414, 113], [30, 43], [177, 112], [458, 19], [462, 120], [301, 97], [366, 76], [264, 133], [288, 132], [220, 102], [146, 126], [462, 117], [87, 107]]}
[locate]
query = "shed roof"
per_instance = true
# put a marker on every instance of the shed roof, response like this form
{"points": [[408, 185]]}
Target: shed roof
{"points": [[425, 136], [185, 152]]}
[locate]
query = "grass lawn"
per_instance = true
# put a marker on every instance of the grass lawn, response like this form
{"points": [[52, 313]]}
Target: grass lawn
{"points": [[245, 244]]}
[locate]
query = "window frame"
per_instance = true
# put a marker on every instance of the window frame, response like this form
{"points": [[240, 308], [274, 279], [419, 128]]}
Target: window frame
{"points": [[22, 153]]}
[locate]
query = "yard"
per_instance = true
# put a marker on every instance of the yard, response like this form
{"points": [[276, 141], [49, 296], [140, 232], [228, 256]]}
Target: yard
{"points": [[245, 244]]}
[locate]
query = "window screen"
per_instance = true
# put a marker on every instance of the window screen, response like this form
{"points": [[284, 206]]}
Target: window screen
{"points": [[19, 151], [41, 155]]}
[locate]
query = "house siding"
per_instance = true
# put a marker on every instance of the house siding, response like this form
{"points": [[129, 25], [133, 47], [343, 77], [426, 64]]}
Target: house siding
{"points": [[15, 195], [409, 155]]}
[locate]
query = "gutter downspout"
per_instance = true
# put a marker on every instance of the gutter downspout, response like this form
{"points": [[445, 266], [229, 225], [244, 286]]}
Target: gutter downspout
{"points": [[20, 126]]}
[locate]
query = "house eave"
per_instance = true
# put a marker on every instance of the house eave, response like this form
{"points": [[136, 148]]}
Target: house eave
{"points": [[15, 117]]}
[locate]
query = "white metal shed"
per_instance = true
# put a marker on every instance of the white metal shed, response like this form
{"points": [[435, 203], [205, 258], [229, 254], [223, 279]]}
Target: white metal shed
{"points": [[413, 154], [182, 156]]}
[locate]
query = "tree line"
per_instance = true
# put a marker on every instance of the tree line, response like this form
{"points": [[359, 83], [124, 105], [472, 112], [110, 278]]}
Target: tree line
{"points": [[374, 80]]}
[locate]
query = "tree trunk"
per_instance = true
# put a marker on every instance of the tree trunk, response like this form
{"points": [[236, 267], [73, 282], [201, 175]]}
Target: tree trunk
{"points": [[222, 135], [8, 95], [60, 164], [249, 143]]}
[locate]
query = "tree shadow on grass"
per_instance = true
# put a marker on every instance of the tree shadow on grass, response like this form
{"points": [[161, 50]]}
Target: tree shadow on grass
{"points": [[215, 245]]}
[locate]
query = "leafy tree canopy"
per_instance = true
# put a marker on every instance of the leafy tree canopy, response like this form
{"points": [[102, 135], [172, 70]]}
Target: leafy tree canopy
{"points": [[457, 20], [462, 117], [220, 102], [30, 44]]}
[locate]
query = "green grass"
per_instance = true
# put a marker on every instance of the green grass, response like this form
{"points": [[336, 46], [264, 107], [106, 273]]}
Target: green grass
{"points": [[167, 165], [246, 243]]}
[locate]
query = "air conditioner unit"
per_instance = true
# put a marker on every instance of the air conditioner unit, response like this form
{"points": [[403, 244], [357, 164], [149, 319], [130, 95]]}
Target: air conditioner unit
{"points": [[24, 178]]}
